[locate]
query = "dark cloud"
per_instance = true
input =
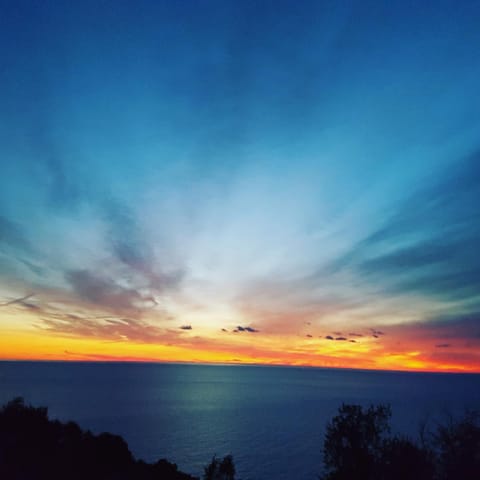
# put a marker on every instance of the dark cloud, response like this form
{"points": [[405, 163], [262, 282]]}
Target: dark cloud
{"points": [[245, 329], [308, 336], [355, 334], [185, 327], [224, 330], [340, 338], [353, 341], [443, 345]]}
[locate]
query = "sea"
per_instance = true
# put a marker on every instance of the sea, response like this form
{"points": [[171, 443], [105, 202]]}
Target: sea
{"points": [[271, 419]]}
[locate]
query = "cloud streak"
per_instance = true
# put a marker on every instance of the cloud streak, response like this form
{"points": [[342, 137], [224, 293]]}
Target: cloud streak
{"points": [[108, 329], [21, 301]]}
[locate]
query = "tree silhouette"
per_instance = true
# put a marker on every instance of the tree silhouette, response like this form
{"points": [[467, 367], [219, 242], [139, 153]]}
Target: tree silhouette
{"points": [[220, 469], [358, 447], [353, 442], [458, 445]]}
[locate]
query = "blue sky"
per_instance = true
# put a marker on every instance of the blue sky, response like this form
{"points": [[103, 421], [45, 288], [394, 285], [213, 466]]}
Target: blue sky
{"points": [[266, 164]]}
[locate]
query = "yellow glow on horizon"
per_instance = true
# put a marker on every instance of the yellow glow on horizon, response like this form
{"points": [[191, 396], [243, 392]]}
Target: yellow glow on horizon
{"points": [[21, 338], [34, 345]]}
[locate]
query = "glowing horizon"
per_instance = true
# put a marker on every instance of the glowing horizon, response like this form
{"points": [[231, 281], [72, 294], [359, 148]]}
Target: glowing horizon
{"points": [[237, 183]]}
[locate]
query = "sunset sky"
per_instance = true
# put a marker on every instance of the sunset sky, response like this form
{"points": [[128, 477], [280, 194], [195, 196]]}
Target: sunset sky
{"points": [[271, 182]]}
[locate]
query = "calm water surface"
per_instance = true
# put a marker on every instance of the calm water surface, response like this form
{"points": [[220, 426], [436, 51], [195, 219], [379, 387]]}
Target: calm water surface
{"points": [[271, 419]]}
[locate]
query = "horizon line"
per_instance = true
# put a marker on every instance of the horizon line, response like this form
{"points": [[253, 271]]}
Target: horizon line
{"points": [[236, 364]]}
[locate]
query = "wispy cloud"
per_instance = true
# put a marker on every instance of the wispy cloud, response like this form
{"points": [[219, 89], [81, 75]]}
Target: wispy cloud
{"points": [[95, 289], [21, 301], [109, 329]]}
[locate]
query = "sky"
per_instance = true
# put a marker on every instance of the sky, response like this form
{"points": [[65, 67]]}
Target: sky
{"points": [[272, 182]]}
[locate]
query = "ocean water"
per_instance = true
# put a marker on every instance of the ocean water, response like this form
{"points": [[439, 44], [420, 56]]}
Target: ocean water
{"points": [[272, 419]]}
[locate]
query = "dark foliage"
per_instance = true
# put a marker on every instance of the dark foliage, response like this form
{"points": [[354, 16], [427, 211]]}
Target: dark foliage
{"points": [[220, 469], [358, 446], [458, 445], [354, 441], [402, 459], [33, 447]]}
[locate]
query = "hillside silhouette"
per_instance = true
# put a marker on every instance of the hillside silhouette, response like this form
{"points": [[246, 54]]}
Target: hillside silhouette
{"points": [[34, 447]]}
